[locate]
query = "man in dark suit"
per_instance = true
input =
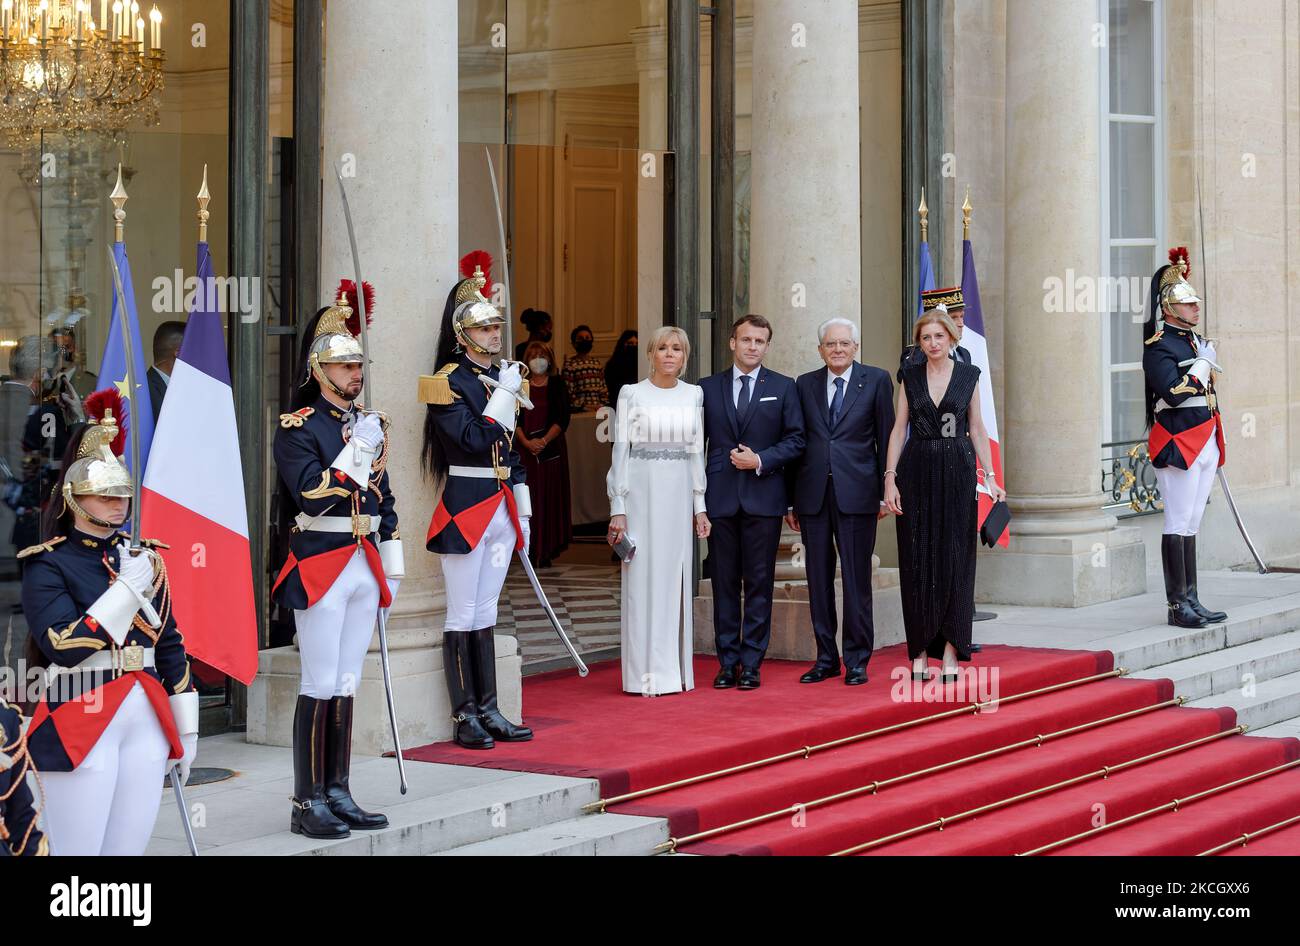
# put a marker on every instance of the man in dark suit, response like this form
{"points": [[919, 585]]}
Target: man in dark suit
{"points": [[166, 346], [753, 428], [848, 411], [956, 305]]}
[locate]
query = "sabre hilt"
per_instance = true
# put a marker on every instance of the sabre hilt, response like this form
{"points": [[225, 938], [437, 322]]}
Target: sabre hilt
{"points": [[517, 395]]}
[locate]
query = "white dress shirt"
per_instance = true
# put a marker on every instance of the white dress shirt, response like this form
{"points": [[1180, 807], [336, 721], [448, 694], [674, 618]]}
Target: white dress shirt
{"points": [[830, 383]]}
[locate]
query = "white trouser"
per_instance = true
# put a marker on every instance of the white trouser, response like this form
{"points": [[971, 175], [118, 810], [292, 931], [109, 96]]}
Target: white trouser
{"points": [[335, 632], [109, 803], [1185, 492], [474, 580]]}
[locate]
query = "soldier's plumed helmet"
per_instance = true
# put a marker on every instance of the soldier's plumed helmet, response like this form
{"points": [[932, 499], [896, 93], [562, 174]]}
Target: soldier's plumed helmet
{"points": [[96, 470]]}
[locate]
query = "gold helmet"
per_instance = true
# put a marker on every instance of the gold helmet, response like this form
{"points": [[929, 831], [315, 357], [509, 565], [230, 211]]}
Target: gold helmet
{"points": [[97, 471], [334, 340], [472, 308], [1174, 287]]}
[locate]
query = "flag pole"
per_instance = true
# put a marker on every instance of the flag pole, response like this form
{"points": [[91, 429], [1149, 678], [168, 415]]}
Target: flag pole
{"points": [[965, 216], [923, 211]]}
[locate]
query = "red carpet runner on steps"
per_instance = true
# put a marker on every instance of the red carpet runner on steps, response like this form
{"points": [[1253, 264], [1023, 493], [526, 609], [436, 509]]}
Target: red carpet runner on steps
{"points": [[590, 729]]}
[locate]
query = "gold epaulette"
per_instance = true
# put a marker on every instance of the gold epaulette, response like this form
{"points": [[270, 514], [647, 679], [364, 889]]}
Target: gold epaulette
{"points": [[1155, 337], [523, 389], [42, 547], [154, 544], [296, 418], [436, 388]]}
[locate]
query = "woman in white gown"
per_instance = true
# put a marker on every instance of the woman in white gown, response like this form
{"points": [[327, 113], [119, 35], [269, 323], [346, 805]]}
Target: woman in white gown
{"points": [[656, 496]]}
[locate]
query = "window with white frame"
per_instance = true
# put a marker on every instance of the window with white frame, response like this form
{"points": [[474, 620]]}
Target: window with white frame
{"points": [[1133, 181]]}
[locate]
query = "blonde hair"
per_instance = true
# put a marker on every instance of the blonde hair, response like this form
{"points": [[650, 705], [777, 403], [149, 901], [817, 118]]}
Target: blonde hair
{"points": [[935, 316], [658, 338]]}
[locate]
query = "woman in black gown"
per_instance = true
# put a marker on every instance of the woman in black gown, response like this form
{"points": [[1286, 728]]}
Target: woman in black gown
{"points": [[930, 485]]}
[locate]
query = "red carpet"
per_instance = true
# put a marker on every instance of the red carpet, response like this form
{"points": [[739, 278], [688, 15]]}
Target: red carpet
{"points": [[590, 729]]}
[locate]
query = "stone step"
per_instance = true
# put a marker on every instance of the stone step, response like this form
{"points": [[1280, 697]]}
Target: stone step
{"points": [[1162, 644], [603, 834], [1225, 671], [518, 803], [1273, 701]]}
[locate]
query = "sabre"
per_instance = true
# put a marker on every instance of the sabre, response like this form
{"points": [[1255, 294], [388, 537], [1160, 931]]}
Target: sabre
{"points": [[1223, 479], [382, 615], [523, 555], [174, 777], [550, 613]]}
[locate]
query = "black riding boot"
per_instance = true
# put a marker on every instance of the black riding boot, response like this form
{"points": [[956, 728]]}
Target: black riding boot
{"points": [[485, 676], [311, 815], [1189, 569], [458, 663], [338, 766], [1171, 558]]}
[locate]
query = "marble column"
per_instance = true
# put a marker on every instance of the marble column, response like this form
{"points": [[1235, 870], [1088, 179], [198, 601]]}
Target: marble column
{"points": [[1065, 551], [390, 116], [806, 244]]}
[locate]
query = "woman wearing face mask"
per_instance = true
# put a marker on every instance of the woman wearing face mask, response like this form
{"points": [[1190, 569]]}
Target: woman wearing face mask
{"points": [[540, 442], [584, 375], [539, 328]]}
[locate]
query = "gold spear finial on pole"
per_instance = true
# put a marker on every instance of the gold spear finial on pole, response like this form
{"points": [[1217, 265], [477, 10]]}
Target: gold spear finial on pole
{"points": [[203, 199], [965, 215], [118, 197], [923, 212]]}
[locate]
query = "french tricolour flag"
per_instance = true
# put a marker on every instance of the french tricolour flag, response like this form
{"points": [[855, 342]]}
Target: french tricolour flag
{"points": [[973, 340], [194, 497]]}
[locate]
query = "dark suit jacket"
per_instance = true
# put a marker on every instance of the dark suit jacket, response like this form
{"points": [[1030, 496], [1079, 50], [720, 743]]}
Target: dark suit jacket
{"points": [[853, 452], [912, 355], [157, 391], [773, 428]]}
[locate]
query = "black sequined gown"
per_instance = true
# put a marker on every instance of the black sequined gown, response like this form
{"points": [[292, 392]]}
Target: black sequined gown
{"points": [[937, 530]]}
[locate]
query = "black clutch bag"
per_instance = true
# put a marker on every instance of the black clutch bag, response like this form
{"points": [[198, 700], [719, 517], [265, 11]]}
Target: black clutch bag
{"points": [[995, 524]]}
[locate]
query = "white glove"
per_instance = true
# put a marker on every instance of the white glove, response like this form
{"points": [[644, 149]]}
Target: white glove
{"points": [[185, 713], [1205, 349], [136, 571], [527, 530], [369, 432], [501, 408], [510, 377], [393, 585], [390, 556]]}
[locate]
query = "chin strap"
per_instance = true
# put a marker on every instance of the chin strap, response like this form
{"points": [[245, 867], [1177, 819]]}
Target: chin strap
{"points": [[318, 373], [70, 502], [469, 343]]}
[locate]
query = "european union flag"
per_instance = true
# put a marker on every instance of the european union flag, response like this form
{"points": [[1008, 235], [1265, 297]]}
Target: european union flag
{"points": [[112, 367]]}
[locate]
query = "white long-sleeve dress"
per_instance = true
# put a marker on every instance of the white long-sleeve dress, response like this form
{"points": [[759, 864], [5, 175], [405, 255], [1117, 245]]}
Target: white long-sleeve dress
{"points": [[656, 479]]}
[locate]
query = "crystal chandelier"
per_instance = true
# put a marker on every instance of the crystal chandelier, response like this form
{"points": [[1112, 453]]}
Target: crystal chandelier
{"points": [[62, 71]]}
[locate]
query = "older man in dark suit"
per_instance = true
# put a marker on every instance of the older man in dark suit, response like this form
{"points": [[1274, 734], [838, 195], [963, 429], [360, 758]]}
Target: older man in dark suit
{"points": [[753, 428], [848, 411]]}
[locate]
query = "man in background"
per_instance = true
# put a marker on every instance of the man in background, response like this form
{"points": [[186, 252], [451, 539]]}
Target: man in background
{"points": [[166, 346]]}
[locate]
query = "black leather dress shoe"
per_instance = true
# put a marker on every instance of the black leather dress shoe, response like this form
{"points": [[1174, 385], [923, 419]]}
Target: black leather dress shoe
{"points": [[749, 678], [855, 677], [726, 678], [818, 674]]}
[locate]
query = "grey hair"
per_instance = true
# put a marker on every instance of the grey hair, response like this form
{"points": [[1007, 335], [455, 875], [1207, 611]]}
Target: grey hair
{"points": [[25, 361], [831, 323]]}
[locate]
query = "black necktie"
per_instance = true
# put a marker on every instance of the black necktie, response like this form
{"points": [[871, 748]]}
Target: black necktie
{"points": [[742, 403], [837, 402]]}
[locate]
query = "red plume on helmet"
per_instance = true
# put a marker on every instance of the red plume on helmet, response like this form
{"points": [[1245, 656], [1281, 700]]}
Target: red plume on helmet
{"points": [[109, 399], [1179, 257], [348, 288], [481, 259]]}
